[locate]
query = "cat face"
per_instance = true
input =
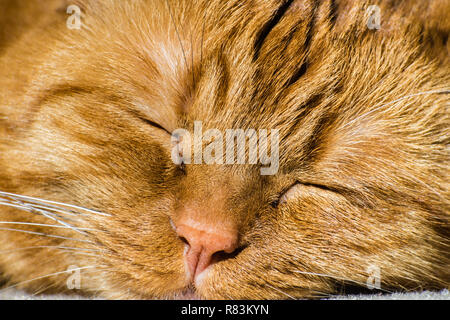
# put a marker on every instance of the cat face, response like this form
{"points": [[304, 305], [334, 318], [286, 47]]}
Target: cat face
{"points": [[360, 169]]}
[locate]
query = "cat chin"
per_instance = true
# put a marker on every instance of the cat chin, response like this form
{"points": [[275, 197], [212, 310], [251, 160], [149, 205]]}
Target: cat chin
{"points": [[189, 294], [200, 278], [197, 285]]}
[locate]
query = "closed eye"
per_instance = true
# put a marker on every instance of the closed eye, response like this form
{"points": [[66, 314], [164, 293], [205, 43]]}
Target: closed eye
{"points": [[295, 191], [149, 122], [292, 193], [154, 124]]}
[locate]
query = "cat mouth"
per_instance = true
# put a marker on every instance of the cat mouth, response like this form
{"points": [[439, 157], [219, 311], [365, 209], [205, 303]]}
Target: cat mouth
{"points": [[188, 294]]}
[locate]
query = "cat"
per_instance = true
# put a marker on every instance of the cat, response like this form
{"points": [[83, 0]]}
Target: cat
{"points": [[92, 92]]}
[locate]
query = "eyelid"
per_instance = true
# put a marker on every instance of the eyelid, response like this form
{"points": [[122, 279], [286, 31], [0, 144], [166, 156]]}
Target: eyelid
{"points": [[293, 191], [165, 119], [290, 193], [154, 124], [143, 118]]}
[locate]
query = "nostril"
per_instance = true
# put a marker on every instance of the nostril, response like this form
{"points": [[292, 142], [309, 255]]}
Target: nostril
{"points": [[183, 239], [222, 255], [207, 244]]}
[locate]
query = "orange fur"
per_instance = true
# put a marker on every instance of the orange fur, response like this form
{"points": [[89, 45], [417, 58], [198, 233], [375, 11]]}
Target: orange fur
{"points": [[363, 117]]}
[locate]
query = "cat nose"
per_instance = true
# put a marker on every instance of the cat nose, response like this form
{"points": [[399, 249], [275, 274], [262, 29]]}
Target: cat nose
{"points": [[204, 241]]}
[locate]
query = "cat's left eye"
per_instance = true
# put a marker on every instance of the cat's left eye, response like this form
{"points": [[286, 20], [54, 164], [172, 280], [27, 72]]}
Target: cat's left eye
{"points": [[299, 188], [285, 196], [292, 193]]}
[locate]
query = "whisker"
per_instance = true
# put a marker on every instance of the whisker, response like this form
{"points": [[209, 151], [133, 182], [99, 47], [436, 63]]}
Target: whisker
{"points": [[93, 291], [20, 204], [8, 204], [48, 275], [31, 209], [51, 247], [84, 254], [53, 204], [192, 59], [178, 34], [337, 278], [46, 208], [45, 213], [43, 225], [203, 38], [57, 210], [37, 204], [46, 235], [280, 291], [43, 289]]}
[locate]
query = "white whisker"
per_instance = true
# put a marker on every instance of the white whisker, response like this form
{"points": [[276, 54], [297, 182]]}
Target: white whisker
{"points": [[37, 205], [56, 210], [29, 208], [43, 225], [46, 276], [45, 213], [280, 291], [336, 278], [45, 235], [48, 202], [50, 247]]}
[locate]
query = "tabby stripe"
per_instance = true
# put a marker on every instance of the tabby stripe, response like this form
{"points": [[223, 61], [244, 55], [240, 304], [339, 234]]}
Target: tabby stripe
{"points": [[306, 108], [268, 27], [312, 146], [307, 45], [333, 12], [62, 90]]}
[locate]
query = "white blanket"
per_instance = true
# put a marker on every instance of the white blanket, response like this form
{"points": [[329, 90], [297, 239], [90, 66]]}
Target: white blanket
{"points": [[426, 295]]}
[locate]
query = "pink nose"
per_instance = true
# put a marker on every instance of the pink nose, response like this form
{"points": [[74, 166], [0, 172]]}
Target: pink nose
{"points": [[204, 241]]}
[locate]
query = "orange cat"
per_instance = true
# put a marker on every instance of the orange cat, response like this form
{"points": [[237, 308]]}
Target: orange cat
{"points": [[356, 93]]}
